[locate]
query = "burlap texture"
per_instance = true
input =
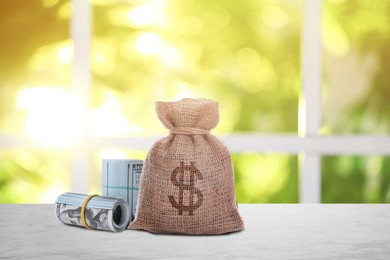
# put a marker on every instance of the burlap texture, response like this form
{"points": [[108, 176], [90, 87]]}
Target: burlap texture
{"points": [[187, 183]]}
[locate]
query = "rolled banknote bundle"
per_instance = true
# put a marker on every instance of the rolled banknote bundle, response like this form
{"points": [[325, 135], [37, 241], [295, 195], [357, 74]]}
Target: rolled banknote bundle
{"points": [[93, 211]]}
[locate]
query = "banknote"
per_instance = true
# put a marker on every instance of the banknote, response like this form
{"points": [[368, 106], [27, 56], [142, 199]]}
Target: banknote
{"points": [[120, 178], [101, 213]]}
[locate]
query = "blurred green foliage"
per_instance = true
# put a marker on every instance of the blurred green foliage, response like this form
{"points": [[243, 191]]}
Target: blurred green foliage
{"points": [[246, 56], [229, 52], [27, 27], [355, 179], [356, 35], [33, 175], [266, 178], [358, 30]]}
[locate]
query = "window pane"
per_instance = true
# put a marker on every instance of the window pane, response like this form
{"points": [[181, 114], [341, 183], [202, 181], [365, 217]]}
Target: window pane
{"points": [[356, 39], [35, 53], [266, 178], [33, 175], [355, 179], [246, 56]]}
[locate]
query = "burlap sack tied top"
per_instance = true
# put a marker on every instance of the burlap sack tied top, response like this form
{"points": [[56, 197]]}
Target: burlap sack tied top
{"points": [[187, 183]]}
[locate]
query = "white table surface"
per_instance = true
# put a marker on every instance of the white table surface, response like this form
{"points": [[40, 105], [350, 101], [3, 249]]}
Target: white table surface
{"points": [[272, 231]]}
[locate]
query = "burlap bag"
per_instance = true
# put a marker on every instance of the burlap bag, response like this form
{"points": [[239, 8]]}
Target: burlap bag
{"points": [[187, 183]]}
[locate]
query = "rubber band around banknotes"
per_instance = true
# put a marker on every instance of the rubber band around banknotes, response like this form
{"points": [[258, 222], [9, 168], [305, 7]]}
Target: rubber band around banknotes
{"points": [[82, 213]]}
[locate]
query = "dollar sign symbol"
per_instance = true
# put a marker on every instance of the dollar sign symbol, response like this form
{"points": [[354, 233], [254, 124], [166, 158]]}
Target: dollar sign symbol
{"points": [[182, 186]]}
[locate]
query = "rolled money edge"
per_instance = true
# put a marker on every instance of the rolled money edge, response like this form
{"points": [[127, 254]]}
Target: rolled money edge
{"points": [[120, 215]]}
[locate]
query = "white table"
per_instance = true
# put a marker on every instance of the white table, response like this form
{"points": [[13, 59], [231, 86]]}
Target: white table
{"points": [[273, 231]]}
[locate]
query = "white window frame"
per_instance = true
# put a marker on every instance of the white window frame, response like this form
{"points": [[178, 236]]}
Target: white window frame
{"points": [[308, 144]]}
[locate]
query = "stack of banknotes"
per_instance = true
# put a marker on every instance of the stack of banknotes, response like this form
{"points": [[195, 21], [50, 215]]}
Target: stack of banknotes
{"points": [[120, 178]]}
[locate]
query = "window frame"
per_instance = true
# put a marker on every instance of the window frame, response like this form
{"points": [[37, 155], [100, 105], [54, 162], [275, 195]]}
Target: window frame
{"points": [[308, 144]]}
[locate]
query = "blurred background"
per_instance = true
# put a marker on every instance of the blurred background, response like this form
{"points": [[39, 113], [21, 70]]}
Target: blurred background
{"points": [[247, 56]]}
